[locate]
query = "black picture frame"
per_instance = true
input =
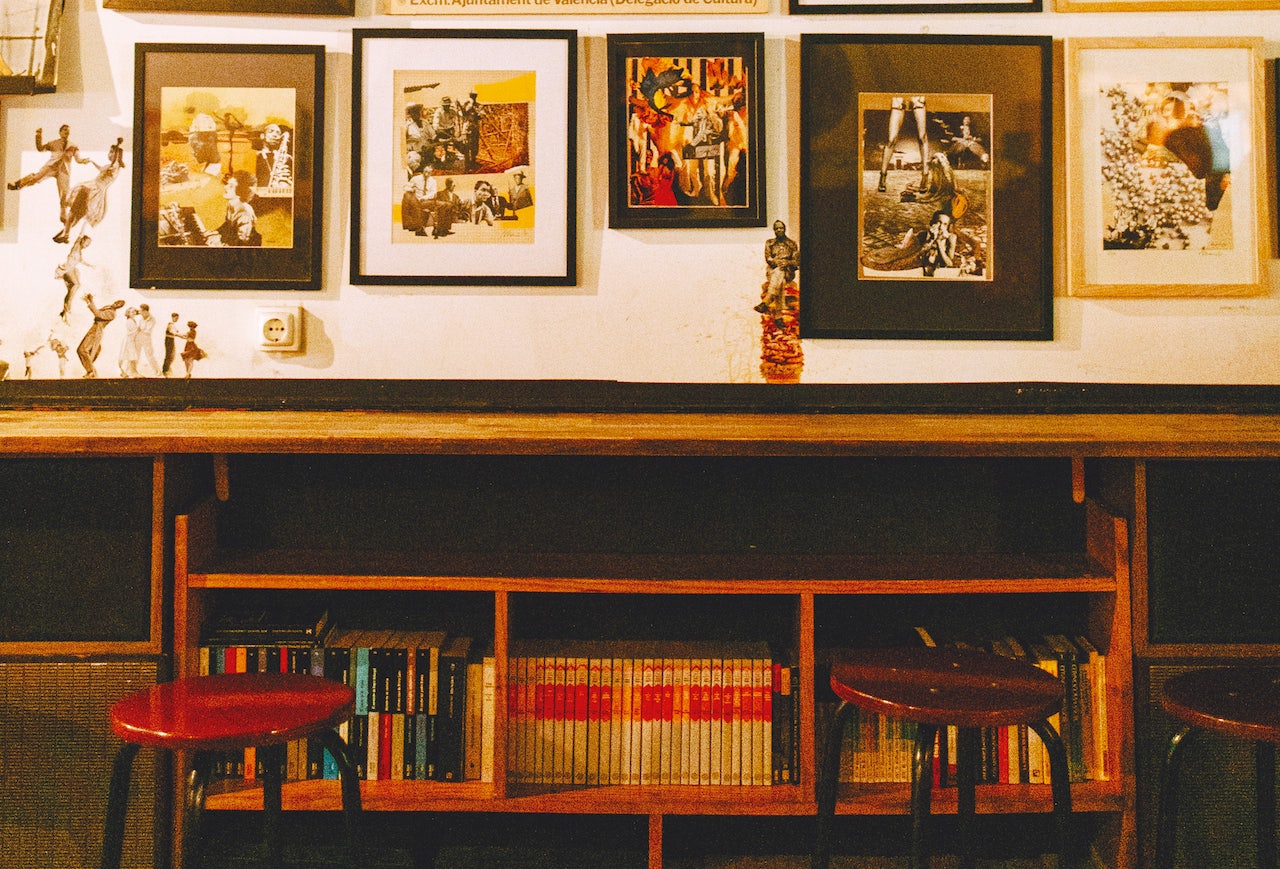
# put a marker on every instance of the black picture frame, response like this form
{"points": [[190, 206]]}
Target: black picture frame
{"points": [[180, 203], [864, 272], [665, 92], [522, 85]]}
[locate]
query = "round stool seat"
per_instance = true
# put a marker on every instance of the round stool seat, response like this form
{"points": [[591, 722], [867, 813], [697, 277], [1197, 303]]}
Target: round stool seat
{"points": [[1236, 701], [946, 686], [235, 710]]}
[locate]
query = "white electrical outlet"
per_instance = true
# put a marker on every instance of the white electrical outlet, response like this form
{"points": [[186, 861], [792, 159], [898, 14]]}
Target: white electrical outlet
{"points": [[280, 328]]}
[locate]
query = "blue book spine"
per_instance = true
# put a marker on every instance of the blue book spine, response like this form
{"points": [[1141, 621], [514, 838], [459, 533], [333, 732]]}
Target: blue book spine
{"points": [[420, 744], [362, 681]]}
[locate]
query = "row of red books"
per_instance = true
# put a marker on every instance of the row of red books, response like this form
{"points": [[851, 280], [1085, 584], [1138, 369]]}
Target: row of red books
{"points": [[599, 713]]}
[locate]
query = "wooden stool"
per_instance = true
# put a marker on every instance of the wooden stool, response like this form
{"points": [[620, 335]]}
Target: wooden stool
{"points": [[933, 688], [209, 714], [1243, 702]]}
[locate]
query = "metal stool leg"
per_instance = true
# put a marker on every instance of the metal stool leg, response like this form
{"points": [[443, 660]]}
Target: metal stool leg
{"points": [[1265, 764], [1167, 808], [969, 749], [828, 786], [273, 759], [117, 806], [1060, 782], [193, 808], [921, 793], [351, 806]]}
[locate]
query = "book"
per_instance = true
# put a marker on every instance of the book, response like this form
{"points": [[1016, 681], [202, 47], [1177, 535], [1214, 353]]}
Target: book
{"points": [[732, 710], [716, 743], [488, 697], [665, 714], [780, 743], [284, 624], [1097, 663], [581, 719], [1044, 658], [618, 709], [471, 721], [451, 709], [1069, 658], [649, 730], [694, 740]]}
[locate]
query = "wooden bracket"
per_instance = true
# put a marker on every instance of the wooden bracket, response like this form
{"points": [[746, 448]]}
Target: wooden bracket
{"points": [[221, 480]]}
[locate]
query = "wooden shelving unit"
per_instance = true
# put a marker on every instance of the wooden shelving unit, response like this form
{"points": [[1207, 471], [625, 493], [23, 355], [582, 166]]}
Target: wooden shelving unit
{"points": [[1095, 575]]}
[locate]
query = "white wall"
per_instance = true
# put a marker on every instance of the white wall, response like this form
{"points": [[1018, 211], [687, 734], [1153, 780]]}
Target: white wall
{"points": [[650, 305]]}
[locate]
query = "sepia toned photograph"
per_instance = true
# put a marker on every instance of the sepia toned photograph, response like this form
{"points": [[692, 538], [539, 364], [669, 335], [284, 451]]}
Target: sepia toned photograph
{"points": [[464, 161], [926, 172], [228, 166]]}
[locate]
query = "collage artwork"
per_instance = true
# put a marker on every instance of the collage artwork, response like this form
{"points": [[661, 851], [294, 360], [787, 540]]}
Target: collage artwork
{"points": [[463, 167]]}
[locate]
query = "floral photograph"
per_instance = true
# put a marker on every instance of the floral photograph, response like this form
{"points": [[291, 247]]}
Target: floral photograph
{"points": [[1166, 166]]}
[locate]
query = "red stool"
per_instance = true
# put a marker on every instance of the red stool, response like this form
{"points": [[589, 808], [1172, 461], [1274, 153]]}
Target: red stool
{"points": [[1242, 702], [210, 714], [939, 687]]}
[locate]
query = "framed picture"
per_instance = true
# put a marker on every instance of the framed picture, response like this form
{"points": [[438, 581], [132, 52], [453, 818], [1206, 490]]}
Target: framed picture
{"points": [[899, 7], [463, 157], [1162, 5], [925, 196], [29, 38], [228, 147], [1166, 185], [253, 7], [686, 130]]}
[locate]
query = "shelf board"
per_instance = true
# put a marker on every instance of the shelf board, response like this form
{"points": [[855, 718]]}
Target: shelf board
{"points": [[790, 800], [651, 574], [115, 432], [434, 796]]}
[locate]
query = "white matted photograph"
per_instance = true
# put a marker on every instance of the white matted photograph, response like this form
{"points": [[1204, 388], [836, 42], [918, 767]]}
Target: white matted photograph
{"points": [[1165, 156], [463, 157]]}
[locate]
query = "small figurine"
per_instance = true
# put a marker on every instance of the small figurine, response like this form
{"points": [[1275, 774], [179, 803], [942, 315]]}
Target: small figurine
{"points": [[781, 260], [781, 356]]}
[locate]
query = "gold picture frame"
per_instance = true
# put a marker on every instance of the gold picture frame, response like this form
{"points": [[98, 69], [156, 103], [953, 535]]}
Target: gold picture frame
{"points": [[1165, 167]]}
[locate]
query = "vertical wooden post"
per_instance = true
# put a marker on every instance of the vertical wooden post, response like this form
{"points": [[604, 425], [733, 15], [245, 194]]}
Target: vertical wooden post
{"points": [[655, 842], [808, 751], [221, 477], [1077, 479]]}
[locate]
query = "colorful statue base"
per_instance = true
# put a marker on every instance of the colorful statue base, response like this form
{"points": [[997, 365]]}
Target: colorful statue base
{"points": [[782, 356]]}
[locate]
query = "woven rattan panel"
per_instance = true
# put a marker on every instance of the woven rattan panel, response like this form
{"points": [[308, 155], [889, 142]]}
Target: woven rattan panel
{"points": [[1216, 796], [56, 749]]}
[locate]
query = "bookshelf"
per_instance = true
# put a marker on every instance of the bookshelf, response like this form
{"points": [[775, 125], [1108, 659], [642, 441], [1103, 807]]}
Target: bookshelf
{"points": [[800, 526]]}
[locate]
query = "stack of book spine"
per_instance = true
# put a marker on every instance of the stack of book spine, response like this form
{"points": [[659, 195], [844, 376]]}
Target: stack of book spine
{"points": [[879, 749], [601, 713], [424, 700]]}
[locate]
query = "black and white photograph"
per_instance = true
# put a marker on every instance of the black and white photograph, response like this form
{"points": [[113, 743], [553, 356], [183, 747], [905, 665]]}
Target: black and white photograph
{"points": [[925, 187]]}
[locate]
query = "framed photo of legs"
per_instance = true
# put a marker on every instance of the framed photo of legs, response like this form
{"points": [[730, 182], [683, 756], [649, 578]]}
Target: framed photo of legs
{"points": [[925, 196]]}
